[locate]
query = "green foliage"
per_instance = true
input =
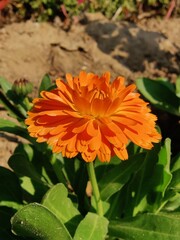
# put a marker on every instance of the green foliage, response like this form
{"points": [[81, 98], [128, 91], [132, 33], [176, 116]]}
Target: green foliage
{"points": [[47, 198], [125, 8], [178, 86], [37, 222], [161, 93], [92, 227], [118, 176], [65, 211], [43, 10], [147, 226], [12, 197], [46, 83]]}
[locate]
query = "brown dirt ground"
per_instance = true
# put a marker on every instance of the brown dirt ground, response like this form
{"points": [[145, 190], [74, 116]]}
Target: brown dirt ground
{"points": [[150, 48]]}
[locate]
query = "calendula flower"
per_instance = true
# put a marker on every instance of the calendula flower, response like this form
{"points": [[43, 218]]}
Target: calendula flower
{"points": [[92, 116]]}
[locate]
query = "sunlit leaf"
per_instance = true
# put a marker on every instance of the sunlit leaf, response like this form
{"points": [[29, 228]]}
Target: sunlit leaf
{"points": [[92, 227], [162, 173], [37, 222], [160, 226], [32, 179], [159, 94], [176, 163], [5, 85], [173, 193], [173, 202], [146, 190], [178, 86], [57, 201], [22, 166]]}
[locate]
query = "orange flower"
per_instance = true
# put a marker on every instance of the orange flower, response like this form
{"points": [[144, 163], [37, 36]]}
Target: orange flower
{"points": [[92, 116]]}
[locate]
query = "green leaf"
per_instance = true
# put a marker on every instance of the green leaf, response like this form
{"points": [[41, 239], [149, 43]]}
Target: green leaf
{"points": [[5, 85], [57, 164], [175, 183], [22, 166], [117, 177], [15, 111], [162, 175], [46, 83], [178, 87], [159, 94], [42, 162], [56, 201], [11, 127], [133, 149], [38, 223], [10, 190], [36, 185], [38, 159], [148, 226], [146, 190], [173, 203], [115, 206], [9, 100], [10, 201], [76, 174], [176, 163], [173, 193], [92, 227]]}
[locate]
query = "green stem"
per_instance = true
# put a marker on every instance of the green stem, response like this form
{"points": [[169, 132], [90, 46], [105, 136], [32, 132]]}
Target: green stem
{"points": [[92, 178], [27, 103]]}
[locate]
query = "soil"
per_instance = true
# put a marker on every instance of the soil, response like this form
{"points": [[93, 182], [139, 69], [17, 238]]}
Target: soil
{"points": [[149, 48]]}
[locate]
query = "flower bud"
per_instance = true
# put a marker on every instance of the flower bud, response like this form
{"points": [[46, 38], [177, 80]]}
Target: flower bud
{"points": [[22, 87]]}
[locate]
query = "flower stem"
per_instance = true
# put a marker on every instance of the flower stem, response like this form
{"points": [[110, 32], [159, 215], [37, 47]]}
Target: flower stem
{"points": [[27, 103], [93, 180]]}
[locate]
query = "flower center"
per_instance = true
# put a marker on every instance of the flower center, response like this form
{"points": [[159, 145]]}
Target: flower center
{"points": [[98, 94]]}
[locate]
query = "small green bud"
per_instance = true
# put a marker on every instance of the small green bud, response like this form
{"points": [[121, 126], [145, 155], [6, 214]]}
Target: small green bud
{"points": [[22, 87]]}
